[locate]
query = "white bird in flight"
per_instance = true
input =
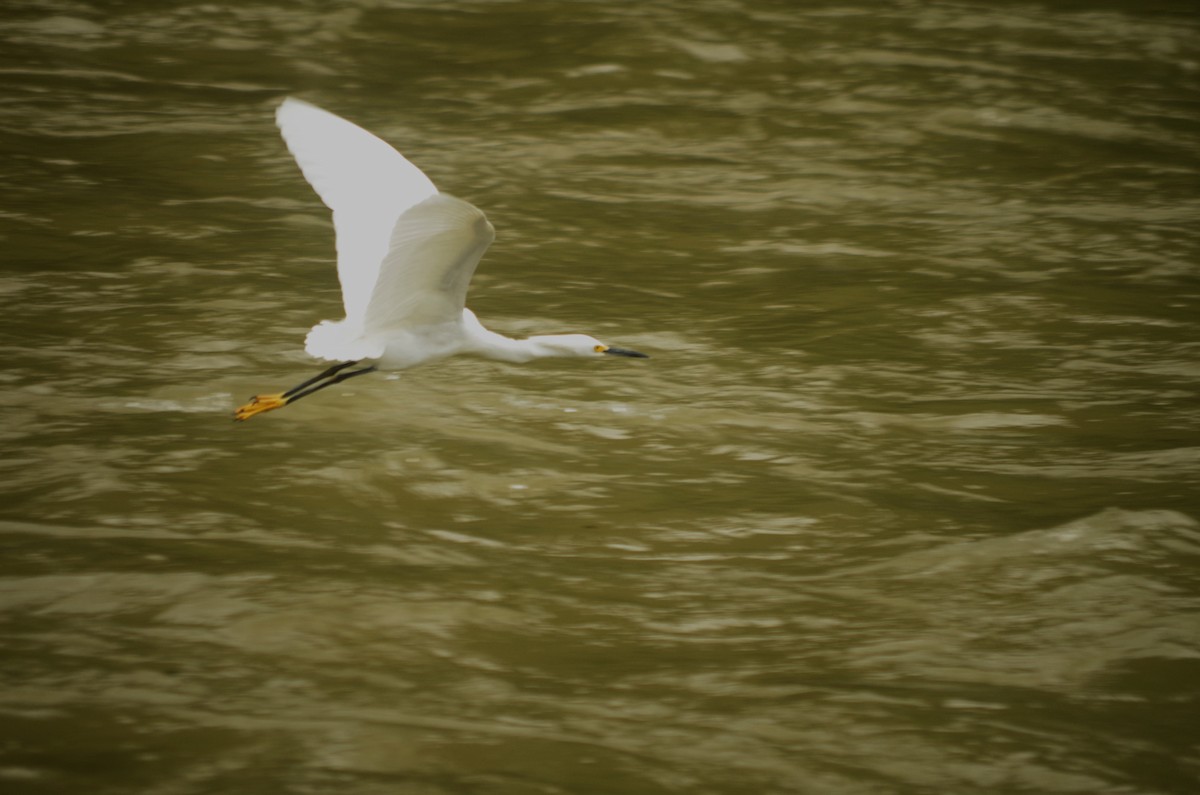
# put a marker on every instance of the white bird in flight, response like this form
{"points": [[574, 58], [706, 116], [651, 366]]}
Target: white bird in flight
{"points": [[405, 255]]}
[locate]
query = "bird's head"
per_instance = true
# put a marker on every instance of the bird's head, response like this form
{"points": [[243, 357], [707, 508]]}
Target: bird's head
{"points": [[580, 345]]}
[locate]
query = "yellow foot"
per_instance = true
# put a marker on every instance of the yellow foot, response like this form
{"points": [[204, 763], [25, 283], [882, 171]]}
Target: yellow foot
{"points": [[258, 404]]}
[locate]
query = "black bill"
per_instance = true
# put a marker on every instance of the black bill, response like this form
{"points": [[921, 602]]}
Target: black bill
{"points": [[626, 352]]}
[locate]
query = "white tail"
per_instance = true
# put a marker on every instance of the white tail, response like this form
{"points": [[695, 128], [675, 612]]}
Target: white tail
{"points": [[338, 341]]}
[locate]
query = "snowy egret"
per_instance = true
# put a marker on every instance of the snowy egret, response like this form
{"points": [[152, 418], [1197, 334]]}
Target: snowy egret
{"points": [[405, 255]]}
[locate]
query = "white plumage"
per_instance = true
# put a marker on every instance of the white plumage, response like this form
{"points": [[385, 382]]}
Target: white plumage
{"points": [[405, 257]]}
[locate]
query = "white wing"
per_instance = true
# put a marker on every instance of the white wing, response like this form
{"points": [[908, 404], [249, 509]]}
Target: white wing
{"points": [[435, 247], [366, 183]]}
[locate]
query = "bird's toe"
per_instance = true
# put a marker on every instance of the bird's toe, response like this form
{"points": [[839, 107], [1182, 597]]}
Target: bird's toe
{"points": [[257, 405]]}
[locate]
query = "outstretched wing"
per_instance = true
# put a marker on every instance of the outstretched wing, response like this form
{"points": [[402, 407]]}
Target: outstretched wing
{"points": [[435, 247], [366, 183]]}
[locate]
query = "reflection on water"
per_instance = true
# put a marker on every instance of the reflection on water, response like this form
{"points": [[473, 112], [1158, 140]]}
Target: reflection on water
{"points": [[902, 502]]}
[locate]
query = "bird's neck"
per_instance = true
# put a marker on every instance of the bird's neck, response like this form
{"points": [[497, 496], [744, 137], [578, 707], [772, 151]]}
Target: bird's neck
{"points": [[490, 345]]}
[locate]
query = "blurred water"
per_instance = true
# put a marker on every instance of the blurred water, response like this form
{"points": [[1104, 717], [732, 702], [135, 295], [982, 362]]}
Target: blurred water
{"points": [[903, 503]]}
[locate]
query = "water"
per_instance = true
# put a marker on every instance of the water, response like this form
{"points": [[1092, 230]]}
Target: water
{"points": [[904, 501]]}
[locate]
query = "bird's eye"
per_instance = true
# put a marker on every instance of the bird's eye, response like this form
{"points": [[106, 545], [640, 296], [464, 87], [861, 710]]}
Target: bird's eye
{"points": [[600, 349]]}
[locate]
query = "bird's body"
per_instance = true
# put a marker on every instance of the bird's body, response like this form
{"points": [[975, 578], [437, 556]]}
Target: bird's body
{"points": [[406, 254]]}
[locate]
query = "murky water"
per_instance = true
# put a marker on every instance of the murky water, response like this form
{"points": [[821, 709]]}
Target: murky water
{"points": [[904, 501]]}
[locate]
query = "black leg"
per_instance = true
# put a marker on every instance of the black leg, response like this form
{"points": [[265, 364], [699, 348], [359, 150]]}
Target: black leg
{"points": [[332, 375], [325, 374], [295, 393]]}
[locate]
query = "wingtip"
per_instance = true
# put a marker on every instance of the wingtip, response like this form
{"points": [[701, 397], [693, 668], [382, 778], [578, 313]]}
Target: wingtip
{"points": [[291, 106]]}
